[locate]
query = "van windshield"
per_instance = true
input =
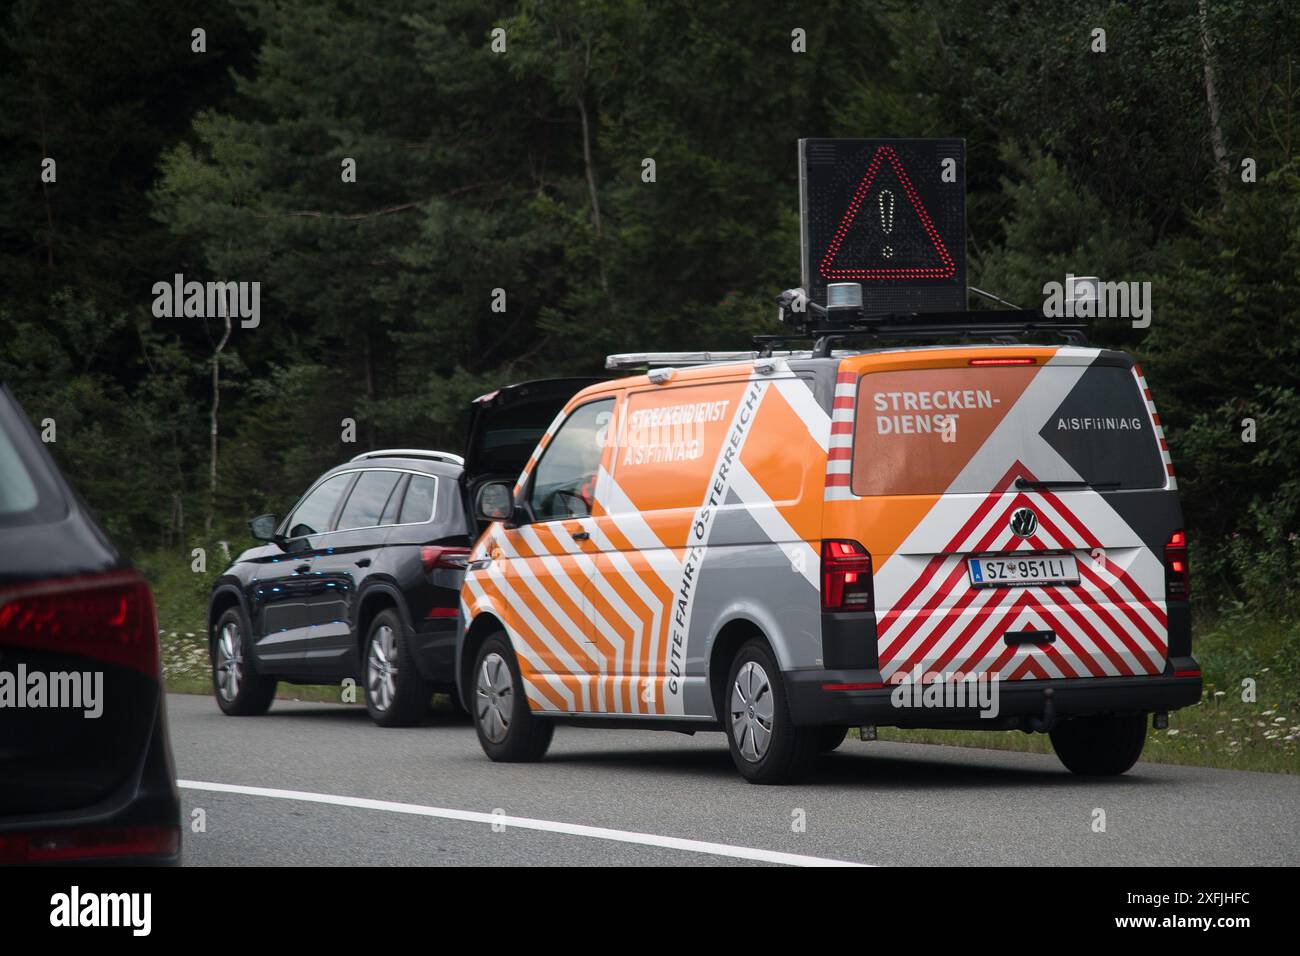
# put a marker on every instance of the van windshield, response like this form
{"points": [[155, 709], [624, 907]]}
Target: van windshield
{"points": [[963, 430]]}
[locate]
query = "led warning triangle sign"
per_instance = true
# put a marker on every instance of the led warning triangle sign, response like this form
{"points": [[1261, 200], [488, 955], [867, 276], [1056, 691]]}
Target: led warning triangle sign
{"points": [[895, 237], [889, 214]]}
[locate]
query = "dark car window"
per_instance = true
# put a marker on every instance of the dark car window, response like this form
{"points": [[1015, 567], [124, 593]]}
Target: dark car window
{"points": [[17, 490], [418, 506], [394, 502], [366, 502], [313, 515], [564, 483], [27, 491]]}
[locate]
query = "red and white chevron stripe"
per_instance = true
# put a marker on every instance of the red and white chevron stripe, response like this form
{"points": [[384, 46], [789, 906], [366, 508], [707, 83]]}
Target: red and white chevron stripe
{"points": [[1106, 625], [1155, 423], [839, 453]]}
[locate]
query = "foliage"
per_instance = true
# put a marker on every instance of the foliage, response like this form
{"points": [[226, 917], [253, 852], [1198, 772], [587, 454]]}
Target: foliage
{"points": [[524, 171]]}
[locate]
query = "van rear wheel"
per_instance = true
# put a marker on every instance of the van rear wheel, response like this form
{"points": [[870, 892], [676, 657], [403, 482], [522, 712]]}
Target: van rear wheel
{"points": [[1100, 746], [507, 730], [828, 738], [765, 744]]}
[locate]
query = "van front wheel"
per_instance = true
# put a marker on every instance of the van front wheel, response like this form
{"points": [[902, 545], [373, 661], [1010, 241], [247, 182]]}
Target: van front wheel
{"points": [[1100, 746], [765, 744], [507, 730]]}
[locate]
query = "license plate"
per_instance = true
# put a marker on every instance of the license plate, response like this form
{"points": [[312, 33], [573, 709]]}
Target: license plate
{"points": [[1014, 570]]}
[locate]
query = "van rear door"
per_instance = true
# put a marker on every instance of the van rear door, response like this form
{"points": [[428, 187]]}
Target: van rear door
{"points": [[504, 427], [1020, 503]]}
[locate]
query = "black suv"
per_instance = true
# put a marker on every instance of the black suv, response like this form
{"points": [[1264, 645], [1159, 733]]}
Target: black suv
{"points": [[361, 581], [86, 770]]}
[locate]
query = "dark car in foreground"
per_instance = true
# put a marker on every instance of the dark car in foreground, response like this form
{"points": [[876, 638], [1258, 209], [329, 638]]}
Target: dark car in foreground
{"points": [[86, 772], [361, 581]]}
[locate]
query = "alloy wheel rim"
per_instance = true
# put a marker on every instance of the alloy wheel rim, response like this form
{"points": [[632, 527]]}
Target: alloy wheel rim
{"points": [[494, 698], [230, 662], [752, 711], [381, 668]]}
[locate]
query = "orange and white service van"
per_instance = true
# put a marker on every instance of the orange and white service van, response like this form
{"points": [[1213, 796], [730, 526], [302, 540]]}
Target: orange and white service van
{"points": [[783, 548]]}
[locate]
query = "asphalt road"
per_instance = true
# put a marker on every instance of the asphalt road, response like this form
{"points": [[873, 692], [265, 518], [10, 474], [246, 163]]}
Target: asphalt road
{"points": [[343, 791]]}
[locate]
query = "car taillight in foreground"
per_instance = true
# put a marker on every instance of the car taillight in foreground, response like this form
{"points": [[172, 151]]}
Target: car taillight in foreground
{"points": [[89, 843], [1178, 578], [106, 617], [436, 556], [846, 577]]}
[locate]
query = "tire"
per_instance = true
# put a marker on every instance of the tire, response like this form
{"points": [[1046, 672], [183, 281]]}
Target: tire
{"points": [[765, 744], [1102, 746], [239, 689], [828, 738], [507, 730], [396, 694]]}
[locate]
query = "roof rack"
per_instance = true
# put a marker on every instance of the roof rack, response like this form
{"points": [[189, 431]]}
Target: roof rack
{"points": [[1004, 327], [682, 359], [411, 453]]}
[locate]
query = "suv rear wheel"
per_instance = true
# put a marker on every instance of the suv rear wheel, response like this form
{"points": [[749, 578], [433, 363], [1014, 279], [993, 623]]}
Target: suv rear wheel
{"points": [[765, 744], [507, 730], [396, 694], [1100, 746], [239, 689]]}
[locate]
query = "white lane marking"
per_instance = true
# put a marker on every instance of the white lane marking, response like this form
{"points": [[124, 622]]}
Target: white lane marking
{"points": [[523, 823]]}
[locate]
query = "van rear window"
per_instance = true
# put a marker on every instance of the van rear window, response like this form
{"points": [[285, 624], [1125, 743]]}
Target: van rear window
{"points": [[961, 430]]}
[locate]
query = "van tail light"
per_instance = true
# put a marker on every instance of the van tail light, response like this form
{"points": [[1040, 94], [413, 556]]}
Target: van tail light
{"points": [[435, 556], [846, 577], [1178, 578], [105, 617]]}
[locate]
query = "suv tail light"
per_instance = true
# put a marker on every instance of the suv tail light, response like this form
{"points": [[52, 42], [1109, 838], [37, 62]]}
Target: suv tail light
{"points": [[1178, 578], [108, 617], [436, 556], [846, 577]]}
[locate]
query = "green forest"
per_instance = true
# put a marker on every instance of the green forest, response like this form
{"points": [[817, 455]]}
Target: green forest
{"points": [[502, 146]]}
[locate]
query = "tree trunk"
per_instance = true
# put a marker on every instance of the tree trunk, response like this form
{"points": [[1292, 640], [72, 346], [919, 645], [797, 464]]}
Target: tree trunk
{"points": [[214, 429], [591, 188], [1212, 98]]}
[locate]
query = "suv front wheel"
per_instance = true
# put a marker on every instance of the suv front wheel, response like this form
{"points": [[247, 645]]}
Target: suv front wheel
{"points": [[240, 690]]}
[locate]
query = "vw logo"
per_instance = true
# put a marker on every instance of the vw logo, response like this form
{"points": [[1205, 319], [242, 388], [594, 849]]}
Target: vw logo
{"points": [[1024, 522]]}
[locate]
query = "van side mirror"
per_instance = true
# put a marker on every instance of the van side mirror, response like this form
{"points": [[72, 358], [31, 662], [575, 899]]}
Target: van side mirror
{"points": [[495, 501], [263, 527]]}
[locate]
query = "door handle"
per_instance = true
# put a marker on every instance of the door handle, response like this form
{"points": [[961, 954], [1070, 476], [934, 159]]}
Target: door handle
{"points": [[302, 569], [363, 563], [581, 536]]}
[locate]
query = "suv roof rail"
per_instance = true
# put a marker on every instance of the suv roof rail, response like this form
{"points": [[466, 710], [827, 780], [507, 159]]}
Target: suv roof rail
{"points": [[411, 453]]}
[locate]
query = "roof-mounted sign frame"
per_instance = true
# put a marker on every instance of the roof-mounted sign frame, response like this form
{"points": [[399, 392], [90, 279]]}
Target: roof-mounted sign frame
{"points": [[889, 214]]}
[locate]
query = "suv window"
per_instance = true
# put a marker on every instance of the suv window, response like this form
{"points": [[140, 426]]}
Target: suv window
{"points": [[28, 494], [418, 506], [564, 482], [367, 500], [17, 490], [394, 500], [313, 515]]}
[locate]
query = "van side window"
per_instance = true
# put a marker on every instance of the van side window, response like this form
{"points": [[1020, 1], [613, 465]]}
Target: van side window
{"points": [[564, 483]]}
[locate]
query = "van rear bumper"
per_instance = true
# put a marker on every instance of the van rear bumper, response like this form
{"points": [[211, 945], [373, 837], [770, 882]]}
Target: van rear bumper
{"points": [[855, 698]]}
